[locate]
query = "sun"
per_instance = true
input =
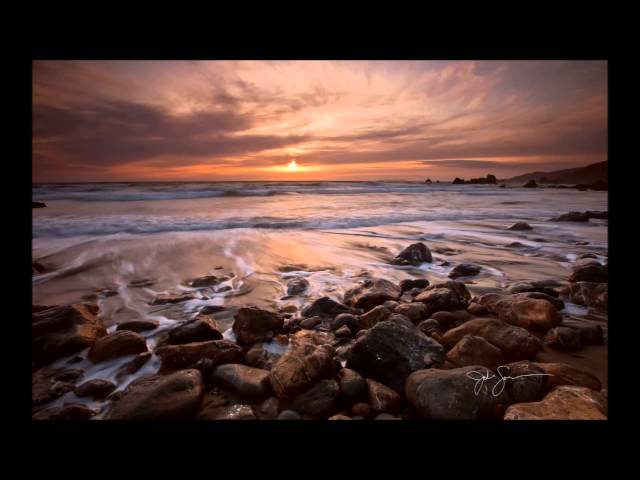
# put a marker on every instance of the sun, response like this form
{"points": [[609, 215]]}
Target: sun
{"points": [[293, 166]]}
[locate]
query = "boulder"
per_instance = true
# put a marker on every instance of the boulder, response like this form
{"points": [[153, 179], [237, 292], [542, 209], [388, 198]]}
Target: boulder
{"points": [[96, 388], [248, 382], [562, 403], [160, 397], [132, 366], [415, 311], [415, 254], [268, 410], [515, 342], [390, 351], [117, 344], [260, 357], [343, 332], [48, 383], [346, 319], [206, 281], [589, 294], [382, 398], [474, 350], [460, 288], [529, 313], [563, 338], [429, 326], [325, 307], [320, 400], [589, 272], [438, 299], [590, 333], [371, 293], [477, 310], [200, 329], [289, 415], [186, 355], [449, 320], [410, 283], [520, 226], [172, 298], [374, 316], [138, 325], [556, 302], [310, 322], [297, 286], [252, 324], [352, 384], [523, 381], [70, 411], [563, 374], [464, 270], [535, 286], [362, 409]]}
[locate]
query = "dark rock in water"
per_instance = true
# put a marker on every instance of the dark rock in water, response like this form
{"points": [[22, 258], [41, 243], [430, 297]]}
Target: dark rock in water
{"points": [[437, 299], [297, 286], [133, 366], [143, 282], [503, 186], [206, 281], [590, 272], [428, 180], [325, 307], [541, 287], [257, 356], [600, 186], [320, 400], [117, 344], [289, 415], [520, 226], [529, 313], [72, 411], [382, 398], [200, 329], [415, 311], [556, 302], [516, 245], [346, 320], [581, 216], [474, 350], [563, 374], [415, 254], [588, 255], [516, 343], [37, 268], [294, 267], [301, 367], [590, 294], [590, 334], [61, 331], [268, 410], [253, 325], [96, 388], [408, 284], [246, 381], [454, 394], [209, 309], [160, 397], [352, 384], [171, 298], [227, 412], [186, 355], [461, 290], [38, 205], [47, 384], [374, 316], [390, 351], [563, 338], [310, 322], [531, 184], [138, 325], [464, 270], [458, 181], [563, 403], [371, 293]]}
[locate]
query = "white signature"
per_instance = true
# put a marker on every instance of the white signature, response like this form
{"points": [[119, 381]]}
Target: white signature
{"points": [[480, 378]]}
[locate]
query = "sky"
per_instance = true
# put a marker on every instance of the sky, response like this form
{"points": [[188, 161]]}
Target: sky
{"points": [[314, 120]]}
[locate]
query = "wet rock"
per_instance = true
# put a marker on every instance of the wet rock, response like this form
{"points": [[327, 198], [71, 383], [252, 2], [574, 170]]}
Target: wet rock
{"points": [[320, 400], [563, 338], [590, 334], [297, 286], [117, 344], [590, 294], [520, 226], [529, 313], [289, 308], [61, 331], [415, 254], [346, 320], [390, 351], [474, 350], [580, 216], [589, 272], [227, 412], [289, 415], [209, 309], [142, 282], [449, 320], [310, 322], [523, 381], [563, 403], [200, 329], [248, 382], [440, 299], [373, 316], [96, 388], [530, 184], [257, 356], [371, 293], [464, 270], [352, 384], [38, 205], [386, 416], [206, 281], [48, 383], [408, 284], [138, 325], [253, 325], [413, 311], [172, 298], [325, 307], [186, 355], [396, 317], [391, 304], [429, 326], [72, 411], [361, 409], [563, 374], [456, 394], [133, 366], [541, 287], [343, 332], [339, 417], [515, 342], [382, 398], [556, 302], [477, 310], [301, 367], [160, 397], [268, 410]]}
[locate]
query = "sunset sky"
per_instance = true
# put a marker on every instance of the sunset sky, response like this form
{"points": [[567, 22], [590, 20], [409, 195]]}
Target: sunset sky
{"points": [[314, 120]]}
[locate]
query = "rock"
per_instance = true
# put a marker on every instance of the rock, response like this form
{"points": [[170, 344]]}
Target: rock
{"points": [[415, 254], [429, 326], [310, 322], [520, 226], [71, 411], [390, 351], [413, 311], [371, 293], [541, 287], [590, 334], [530, 184], [253, 325], [289, 308], [132, 366], [449, 320], [289, 415], [382, 398], [339, 417], [362, 409], [563, 374], [346, 320], [117, 344], [391, 304], [580, 216], [464, 270], [529, 313], [563, 338], [591, 272], [590, 294], [458, 181], [186, 355], [227, 412], [440, 299], [206, 281], [248, 382], [456, 394], [408, 284], [259, 357], [474, 350], [160, 397], [373, 316], [268, 410], [200, 329], [96, 388], [209, 309], [515, 342], [325, 307], [523, 381], [352, 384], [460, 288], [563, 403], [38, 205], [300, 368], [61, 331], [320, 400], [48, 383], [556, 302], [138, 325], [343, 332], [386, 416], [297, 286], [396, 317], [477, 310], [172, 298]]}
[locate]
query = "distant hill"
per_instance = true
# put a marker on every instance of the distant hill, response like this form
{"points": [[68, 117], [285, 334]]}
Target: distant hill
{"points": [[584, 175]]}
